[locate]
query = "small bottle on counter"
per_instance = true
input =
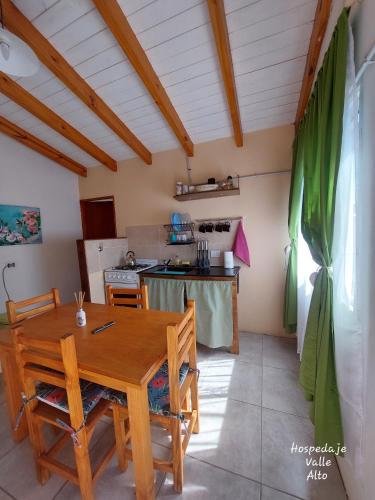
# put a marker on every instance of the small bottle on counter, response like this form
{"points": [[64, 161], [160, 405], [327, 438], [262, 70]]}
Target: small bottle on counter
{"points": [[179, 188]]}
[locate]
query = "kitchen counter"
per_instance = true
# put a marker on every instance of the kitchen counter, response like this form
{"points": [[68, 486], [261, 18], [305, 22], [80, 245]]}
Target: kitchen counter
{"points": [[213, 272]]}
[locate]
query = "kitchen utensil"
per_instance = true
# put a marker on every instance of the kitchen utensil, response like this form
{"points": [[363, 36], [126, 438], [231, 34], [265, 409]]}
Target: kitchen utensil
{"points": [[210, 227], [104, 327], [219, 227], [202, 228], [130, 259], [206, 261]]}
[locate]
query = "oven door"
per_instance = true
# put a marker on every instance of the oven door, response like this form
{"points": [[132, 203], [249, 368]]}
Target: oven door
{"points": [[122, 285]]}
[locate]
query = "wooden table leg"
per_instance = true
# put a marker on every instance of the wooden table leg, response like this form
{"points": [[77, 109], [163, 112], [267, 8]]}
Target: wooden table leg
{"points": [[235, 349], [141, 442], [13, 394]]}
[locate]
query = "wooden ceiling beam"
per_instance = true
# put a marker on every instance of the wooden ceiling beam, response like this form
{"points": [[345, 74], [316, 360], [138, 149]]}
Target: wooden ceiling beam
{"points": [[16, 22], [220, 29], [41, 147], [323, 10], [126, 38], [31, 104]]}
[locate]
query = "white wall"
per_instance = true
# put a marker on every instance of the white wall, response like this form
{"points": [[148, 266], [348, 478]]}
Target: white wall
{"points": [[29, 179]]}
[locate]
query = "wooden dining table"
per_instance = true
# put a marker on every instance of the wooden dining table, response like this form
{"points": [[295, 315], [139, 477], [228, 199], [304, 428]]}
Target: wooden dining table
{"points": [[125, 357]]}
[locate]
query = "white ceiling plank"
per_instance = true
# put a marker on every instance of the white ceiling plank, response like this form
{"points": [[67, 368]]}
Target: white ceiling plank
{"points": [[232, 5], [193, 84], [34, 8], [109, 75], [259, 11], [188, 20], [274, 93], [132, 6], [98, 42], [189, 72], [158, 12], [60, 15], [78, 31], [295, 17], [177, 45], [278, 41], [281, 74], [272, 58], [47, 89], [187, 58], [198, 105], [100, 61]]}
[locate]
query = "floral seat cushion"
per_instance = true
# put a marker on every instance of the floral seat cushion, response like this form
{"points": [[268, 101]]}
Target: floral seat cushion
{"points": [[158, 390], [56, 396]]}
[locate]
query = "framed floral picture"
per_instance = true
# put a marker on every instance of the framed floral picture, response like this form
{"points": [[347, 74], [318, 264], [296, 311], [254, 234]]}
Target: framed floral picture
{"points": [[19, 225]]}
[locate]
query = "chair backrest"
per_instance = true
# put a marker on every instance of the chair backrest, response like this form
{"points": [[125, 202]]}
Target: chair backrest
{"points": [[181, 342], [53, 362], [127, 296], [24, 309]]}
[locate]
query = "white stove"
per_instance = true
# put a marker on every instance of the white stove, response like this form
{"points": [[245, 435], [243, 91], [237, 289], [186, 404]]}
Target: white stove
{"points": [[126, 276]]}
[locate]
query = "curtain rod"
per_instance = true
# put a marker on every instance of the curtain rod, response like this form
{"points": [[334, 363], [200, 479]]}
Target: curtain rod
{"points": [[218, 219], [263, 173], [368, 60]]}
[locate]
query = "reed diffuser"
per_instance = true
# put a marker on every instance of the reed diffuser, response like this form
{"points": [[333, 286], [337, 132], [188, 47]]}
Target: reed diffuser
{"points": [[80, 315]]}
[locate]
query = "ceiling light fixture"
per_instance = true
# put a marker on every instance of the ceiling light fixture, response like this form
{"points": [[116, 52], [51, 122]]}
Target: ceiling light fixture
{"points": [[16, 57]]}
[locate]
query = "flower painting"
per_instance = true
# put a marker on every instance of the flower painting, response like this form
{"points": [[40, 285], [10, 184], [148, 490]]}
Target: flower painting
{"points": [[19, 225]]}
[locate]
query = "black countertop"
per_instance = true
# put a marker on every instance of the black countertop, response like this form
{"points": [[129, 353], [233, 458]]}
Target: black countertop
{"points": [[212, 272]]}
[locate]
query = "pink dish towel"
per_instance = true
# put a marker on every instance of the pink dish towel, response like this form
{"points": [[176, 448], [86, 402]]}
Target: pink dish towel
{"points": [[240, 248]]}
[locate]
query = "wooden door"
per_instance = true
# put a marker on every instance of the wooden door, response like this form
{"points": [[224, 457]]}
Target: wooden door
{"points": [[98, 218]]}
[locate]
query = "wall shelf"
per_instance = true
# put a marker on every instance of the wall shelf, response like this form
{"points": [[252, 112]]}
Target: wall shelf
{"points": [[218, 193]]}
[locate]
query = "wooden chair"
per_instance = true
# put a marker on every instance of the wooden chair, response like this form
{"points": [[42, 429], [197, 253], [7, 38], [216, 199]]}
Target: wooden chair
{"points": [[127, 296], [34, 306], [181, 415], [54, 362]]}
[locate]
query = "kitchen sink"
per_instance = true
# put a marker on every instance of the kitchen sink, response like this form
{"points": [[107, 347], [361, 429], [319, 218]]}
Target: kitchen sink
{"points": [[171, 270]]}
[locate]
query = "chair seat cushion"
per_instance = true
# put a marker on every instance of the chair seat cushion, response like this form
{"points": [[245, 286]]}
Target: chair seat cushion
{"points": [[56, 396], [158, 390]]}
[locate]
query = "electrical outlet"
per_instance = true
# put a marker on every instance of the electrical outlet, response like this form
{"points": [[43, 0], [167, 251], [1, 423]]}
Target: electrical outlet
{"points": [[11, 264], [215, 253]]}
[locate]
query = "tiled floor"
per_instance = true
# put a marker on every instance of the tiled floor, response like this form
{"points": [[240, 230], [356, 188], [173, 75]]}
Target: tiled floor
{"points": [[252, 410]]}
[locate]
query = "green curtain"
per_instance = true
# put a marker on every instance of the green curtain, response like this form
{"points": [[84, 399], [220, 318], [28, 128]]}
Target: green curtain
{"points": [[213, 302], [295, 205], [322, 134], [166, 294]]}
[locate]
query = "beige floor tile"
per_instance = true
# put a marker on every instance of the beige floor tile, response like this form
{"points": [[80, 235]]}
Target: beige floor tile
{"points": [[229, 436], [4, 495], [6, 440], [250, 350], [17, 476], [205, 482], [271, 494], [280, 353], [231, 378], [282, 391], [288, 472]]}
